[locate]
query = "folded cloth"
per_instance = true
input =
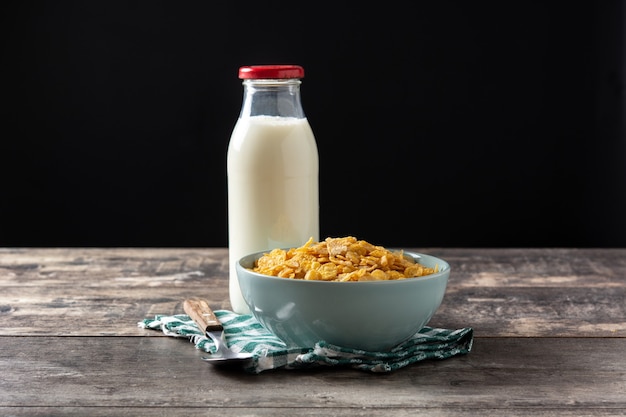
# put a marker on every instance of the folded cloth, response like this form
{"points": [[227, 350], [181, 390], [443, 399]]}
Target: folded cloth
{"points": [[243, 333]]}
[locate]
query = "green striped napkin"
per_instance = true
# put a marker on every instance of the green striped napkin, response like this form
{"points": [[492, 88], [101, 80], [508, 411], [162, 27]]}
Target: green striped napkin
{"points": [[244, 333]]}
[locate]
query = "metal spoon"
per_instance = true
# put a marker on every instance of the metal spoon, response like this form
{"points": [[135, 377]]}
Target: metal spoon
{"points": [[208, 322]]}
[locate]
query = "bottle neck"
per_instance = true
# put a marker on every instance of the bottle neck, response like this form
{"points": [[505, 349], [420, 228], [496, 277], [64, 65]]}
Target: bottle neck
{"points": [[279, 98]]}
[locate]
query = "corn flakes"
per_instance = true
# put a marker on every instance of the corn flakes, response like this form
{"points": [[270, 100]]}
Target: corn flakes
{"points": [[340, 259]]}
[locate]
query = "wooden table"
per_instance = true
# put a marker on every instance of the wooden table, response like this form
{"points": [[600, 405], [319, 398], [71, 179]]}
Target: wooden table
{"points": [[550, 339]]}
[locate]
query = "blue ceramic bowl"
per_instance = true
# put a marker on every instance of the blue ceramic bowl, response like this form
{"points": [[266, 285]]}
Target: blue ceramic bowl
{"points": [[367, 315]]}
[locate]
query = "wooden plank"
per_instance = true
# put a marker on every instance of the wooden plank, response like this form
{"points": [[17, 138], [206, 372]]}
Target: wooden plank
{"points": [[103, 291], [500, 373], [290, 412], [49, 296], [498, 292], [175, 411], [536, 292]]}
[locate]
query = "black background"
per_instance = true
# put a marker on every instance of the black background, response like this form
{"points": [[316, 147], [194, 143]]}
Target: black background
{"points": [[438, 123]]}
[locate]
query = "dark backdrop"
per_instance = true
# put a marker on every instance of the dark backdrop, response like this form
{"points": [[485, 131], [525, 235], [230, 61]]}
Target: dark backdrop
{"points": [[439, 124]]}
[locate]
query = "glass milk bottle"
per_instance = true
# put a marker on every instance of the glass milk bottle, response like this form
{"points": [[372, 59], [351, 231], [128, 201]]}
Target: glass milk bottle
{"points": [[272, 164]]}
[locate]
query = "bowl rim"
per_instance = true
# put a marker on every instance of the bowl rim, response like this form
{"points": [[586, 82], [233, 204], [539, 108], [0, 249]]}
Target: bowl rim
{"points": [[445, 271]]}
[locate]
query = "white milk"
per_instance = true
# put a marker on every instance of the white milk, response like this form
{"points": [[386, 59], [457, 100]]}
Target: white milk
{"points": [[273, 198]]}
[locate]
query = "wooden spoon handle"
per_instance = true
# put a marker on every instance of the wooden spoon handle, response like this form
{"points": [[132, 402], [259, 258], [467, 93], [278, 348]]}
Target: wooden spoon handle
{"points": [[202, 315]]}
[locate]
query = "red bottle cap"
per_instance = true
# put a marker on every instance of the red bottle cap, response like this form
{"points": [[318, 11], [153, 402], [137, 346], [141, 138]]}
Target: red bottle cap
{"points": [[255, 72]]}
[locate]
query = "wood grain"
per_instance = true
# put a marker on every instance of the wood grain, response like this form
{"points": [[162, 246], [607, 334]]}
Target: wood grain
{"points": [[498, 292], [550, 327], [549, 373]]}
